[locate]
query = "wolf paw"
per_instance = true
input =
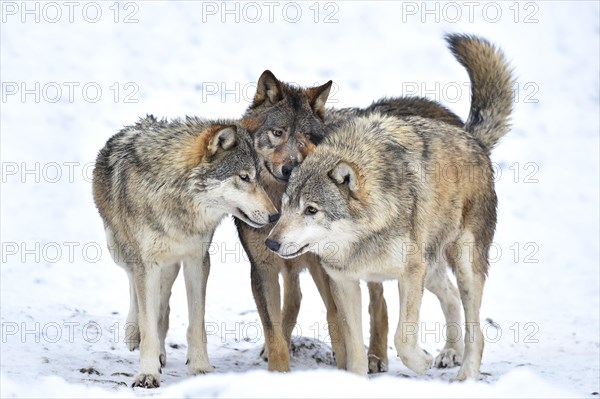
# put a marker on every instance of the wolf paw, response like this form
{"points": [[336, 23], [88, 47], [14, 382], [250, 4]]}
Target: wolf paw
{"points": [[207, 368], [360, 367], [418, 360], [447, 358], [377, 364], [132, 337], [146, 381], [466, 372], [199, 367], [264, 354]]}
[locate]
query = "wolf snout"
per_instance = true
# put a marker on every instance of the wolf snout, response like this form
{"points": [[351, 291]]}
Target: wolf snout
{"points": [[272, 245], [286, 170], [274, 217]]}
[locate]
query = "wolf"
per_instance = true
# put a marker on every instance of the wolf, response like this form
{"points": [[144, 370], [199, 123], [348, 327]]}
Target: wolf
{"points": [[161, 188], [288, 122], [387, 197]]}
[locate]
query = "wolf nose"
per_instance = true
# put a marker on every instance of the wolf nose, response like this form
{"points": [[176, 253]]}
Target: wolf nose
{"points": [[272, 245], [274, 217], [286, 170]]}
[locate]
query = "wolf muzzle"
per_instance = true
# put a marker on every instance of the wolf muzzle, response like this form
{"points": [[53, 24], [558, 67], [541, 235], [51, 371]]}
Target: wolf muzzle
{"points": [[272, 245]]}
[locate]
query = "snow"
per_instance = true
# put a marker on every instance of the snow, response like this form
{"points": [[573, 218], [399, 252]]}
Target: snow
{"points": [[63, 300]]}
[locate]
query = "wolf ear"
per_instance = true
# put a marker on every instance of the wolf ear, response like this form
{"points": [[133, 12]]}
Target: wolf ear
{"points": [[317, 97], [224, 138], [345, 175], [268, 88], [252, 123]]}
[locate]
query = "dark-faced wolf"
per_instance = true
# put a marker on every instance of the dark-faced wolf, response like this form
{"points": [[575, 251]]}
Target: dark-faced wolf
{"points": [[161, 189], [387, 197]]}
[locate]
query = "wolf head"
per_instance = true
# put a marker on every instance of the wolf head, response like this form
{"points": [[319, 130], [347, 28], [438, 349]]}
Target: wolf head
{"points": [[286, 123], [348, 188], [320, 210], [227, 175]]}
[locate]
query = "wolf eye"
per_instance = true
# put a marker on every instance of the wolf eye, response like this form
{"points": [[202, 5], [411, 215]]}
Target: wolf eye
{"points": [[277, 132], [245, 177], [310, 210]]}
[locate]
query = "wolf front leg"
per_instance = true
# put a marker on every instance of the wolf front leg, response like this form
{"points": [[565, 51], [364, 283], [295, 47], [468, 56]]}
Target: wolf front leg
{"points": [[347, 297], [265, 288], [410, 285], [196, 273], [292, 297], [334, 326], [167, 278], [147, 286], [264, 276]]}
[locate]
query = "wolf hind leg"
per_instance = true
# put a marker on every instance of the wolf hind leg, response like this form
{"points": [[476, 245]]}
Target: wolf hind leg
{"points": [[438, 282], [470, 265], [378, 357], [132, 330]]}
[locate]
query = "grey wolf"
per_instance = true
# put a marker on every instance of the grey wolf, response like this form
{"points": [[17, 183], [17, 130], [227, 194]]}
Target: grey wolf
{"points": [[161, 189], [369, 201], [288, 122]]}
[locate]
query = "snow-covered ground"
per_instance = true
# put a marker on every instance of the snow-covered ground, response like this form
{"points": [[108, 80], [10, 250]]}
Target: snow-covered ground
{"points": [[73, 73]]}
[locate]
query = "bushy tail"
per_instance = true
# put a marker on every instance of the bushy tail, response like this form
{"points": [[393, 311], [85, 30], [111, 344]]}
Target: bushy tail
{"points": [[491, 87]]}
